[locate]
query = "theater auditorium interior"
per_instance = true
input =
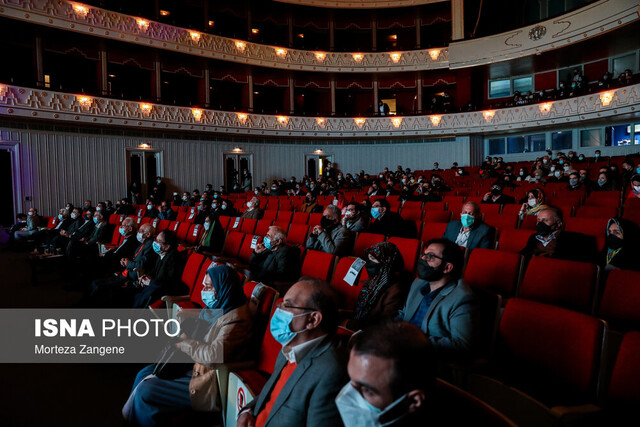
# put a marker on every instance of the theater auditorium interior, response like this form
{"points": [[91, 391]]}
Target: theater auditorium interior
{"points": [[447, 191]]}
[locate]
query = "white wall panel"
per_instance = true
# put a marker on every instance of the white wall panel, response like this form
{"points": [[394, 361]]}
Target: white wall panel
{"points": [[57, 166]]}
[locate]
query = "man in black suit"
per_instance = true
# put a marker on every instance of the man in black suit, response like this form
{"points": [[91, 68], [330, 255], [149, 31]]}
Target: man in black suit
{"points": [[310, 370], [496, 196], [164, 279], [118, 291], [551, 240], [469, 231], [384, 221], [110, 261], [48, 234], [273, 261], [87, 246]]}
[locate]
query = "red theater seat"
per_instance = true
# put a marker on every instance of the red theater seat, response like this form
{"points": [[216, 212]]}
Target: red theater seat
{"points": [[300, 218], [317, 264], [513, 240], [625, 379], [262, 227], [432, 230], [568, 284], [495, 271], [298, 234], [364, 241], [409, 249], [348, 294], [232, 244], [620, 305], [437, 216]]}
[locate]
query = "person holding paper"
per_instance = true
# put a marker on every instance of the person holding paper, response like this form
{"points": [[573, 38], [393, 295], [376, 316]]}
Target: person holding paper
{"points": [[228, 326]]}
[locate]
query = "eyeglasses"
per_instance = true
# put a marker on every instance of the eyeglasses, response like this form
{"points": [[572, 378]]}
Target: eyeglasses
{"points": [[282, 305], [430, 257]]}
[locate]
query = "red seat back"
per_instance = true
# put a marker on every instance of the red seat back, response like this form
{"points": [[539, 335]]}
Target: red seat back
{"points": [[246, 250], [192, 270], [284, 216], [248, 225], [348, 294], [364, 241], [513, 240], [163, 225], [620, 303], [224, 222], [182, 231], [623, 387], [433, 206], [300, 218], [270, 215], [568, 284], [437, 216], [564, 344], [495, 271], [194, 234], [596, 212], [409, 248], [232, 244], [235, 223], [317, 264], [432, 230], [262, 227], [409, 214], [298, 234], [591, 226], [314, 219]]}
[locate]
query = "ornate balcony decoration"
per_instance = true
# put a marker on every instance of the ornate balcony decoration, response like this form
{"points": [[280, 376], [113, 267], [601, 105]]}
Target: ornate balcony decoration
{"points": [[576, 26], [40, 104], [360, 4], [86, 19]]}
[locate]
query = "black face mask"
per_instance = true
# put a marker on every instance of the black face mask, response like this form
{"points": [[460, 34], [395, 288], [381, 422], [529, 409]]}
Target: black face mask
{"points": [[614, 242], [372, 268], [308, 200], [495, 192], [326, 222], [428, 273], [543, 229]]}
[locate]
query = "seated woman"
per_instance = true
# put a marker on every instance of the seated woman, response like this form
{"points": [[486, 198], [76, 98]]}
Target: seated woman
{"points": [[213, 236], [154, 400], [534, 203], [634, 187], [383, 294], [622, 245], [227, 209]]}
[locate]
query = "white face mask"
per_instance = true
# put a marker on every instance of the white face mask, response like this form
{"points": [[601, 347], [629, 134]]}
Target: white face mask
{"points": [[30, 213], [249, 205], [532, 202], [356, 411], [149, 207], [74, 215], [185, 198], [207, 225], [139, 237], [637, 188]]}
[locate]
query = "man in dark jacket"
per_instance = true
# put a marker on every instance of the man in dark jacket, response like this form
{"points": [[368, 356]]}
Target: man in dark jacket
{"points": [[384, 221], [551, 240], [274, 261], [165, 277]]}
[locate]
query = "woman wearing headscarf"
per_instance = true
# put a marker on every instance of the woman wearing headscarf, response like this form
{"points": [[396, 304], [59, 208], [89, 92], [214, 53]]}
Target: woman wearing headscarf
{"points": [[622, 245], [226, 323], [534, 203], [213, 236], [383, 294], [226, 208]]}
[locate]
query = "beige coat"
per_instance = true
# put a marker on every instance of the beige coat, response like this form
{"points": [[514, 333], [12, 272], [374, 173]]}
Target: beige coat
{"points": [[228, 340]]}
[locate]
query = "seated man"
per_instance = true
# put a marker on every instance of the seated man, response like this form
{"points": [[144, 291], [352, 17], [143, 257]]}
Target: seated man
{"points": [[87, 246], [118, 291], [551, 240], [62, 239], [151, 211], [110, 261], [310, 370], [166, 212], [353, 219], [496, 196], [47, 234], [30, 229], [253, 209], [84, 232], [272, 260], [330, 236], [443, 307], [392, 377], [384, 221], [310, 204], [469, 231], [165, 278]]}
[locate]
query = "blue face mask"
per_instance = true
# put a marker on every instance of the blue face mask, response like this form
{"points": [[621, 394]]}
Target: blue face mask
{"points": [[95, 220], [467, 220], [637, 170], [267, 242], [280, 326], [59, 216], [209, 298], [122, 232], [156, 247], [375, 213]]}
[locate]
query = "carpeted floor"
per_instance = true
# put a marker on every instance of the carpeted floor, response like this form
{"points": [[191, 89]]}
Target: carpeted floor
{"points": [[60, 394]]}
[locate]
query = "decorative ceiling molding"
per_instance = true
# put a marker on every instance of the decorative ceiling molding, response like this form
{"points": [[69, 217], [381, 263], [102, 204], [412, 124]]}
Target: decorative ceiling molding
{"points": [[579, 25], [85, 19], [40, 104], [361, 4]]}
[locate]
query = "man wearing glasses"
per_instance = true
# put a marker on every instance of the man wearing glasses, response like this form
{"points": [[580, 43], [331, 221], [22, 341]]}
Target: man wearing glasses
{"points": [[310, 369], [443, 307]]}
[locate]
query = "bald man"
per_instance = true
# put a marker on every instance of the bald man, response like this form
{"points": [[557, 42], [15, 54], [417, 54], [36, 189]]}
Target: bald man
{"points": [[469, 231], [118, 291]]}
